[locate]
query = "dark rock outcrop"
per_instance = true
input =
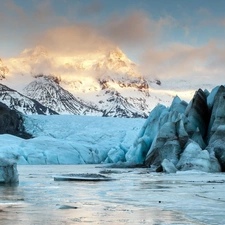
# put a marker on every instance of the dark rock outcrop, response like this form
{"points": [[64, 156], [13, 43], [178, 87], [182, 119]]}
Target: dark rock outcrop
{"points": [[11, 122], [218, 112], [197, 114]]}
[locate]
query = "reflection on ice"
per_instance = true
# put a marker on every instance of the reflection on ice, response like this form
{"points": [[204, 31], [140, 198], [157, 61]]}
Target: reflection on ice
{"points": [[134, 197]]}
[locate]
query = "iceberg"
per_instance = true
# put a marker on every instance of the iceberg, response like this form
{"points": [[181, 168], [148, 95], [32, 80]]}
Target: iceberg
{"points": [[184, 136], [8, 172]]}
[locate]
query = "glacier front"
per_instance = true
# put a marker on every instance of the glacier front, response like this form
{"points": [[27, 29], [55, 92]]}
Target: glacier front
{"points": [[70, 139], [184, 136]]}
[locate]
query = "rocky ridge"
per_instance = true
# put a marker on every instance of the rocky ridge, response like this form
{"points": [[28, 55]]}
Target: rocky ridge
{"points": [[11, 122], [16, 101], [47, 91]]}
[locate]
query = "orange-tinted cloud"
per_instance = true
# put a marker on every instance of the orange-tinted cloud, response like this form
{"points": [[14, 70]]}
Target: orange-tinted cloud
{"points": [[134, 28], [179, 61], [76, 39], [12, 15]]}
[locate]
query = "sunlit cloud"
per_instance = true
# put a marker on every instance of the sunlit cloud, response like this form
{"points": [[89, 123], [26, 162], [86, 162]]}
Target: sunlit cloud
{"points": [[161, 41], [72, 40], [184, 62]]}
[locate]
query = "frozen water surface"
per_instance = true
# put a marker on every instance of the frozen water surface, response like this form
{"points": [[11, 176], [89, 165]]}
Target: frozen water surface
{"points": [[135, 197]]}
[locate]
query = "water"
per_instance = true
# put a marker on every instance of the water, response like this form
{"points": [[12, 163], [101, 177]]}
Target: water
{"points": [[135, 197]]}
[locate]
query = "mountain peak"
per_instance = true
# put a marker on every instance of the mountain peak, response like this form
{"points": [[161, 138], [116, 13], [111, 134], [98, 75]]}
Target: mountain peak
{"points": [[116, 53]]}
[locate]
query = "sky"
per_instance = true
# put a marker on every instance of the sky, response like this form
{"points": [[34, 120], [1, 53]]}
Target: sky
{"points": [[169, 39]]}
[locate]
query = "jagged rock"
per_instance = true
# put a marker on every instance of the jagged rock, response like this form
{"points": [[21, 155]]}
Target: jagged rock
{"points": [[207, 93], [178, 105], [162, 136], [168, 166], [167, 144], [216, 129], [211, 96], [197, 137], [194, 158], [181, 133], [217, 146], [11, 122], [197, 114], [218, 111], [170, 150], [8, 172], [166, 133], [146, 135]]}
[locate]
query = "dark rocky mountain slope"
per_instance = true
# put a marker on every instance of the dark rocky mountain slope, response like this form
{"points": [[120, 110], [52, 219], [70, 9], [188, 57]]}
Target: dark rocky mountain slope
{"points": [[11, 122]]}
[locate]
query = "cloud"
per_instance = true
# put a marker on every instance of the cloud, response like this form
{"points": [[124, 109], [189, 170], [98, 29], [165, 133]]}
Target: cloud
{"points": [[71, 40], [196, 65], [204, 12], [134, 28], [12, 15], [94, 7], [19, 26], [45, 16], [207, 18]]}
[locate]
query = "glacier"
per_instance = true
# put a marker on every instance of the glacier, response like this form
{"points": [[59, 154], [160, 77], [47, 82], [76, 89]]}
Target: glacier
{"points": [[184, 136], [70, 139]]}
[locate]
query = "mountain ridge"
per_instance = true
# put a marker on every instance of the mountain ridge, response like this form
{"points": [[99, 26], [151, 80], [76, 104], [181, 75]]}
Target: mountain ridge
{"points": [[93, 81], [16, 101]]}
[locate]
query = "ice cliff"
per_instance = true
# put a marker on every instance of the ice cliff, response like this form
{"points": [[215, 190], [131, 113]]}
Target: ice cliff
{"points": [[184, 136]]}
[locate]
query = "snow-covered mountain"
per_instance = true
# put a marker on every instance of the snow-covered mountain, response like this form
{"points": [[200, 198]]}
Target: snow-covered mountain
{"points": [[101, 83], [47, 91], [15, 100]]}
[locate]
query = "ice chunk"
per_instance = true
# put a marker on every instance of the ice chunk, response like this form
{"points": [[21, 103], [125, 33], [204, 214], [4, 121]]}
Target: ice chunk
{"points": [[194, 158], [8, 172], [168, 166], [115, 155]]}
